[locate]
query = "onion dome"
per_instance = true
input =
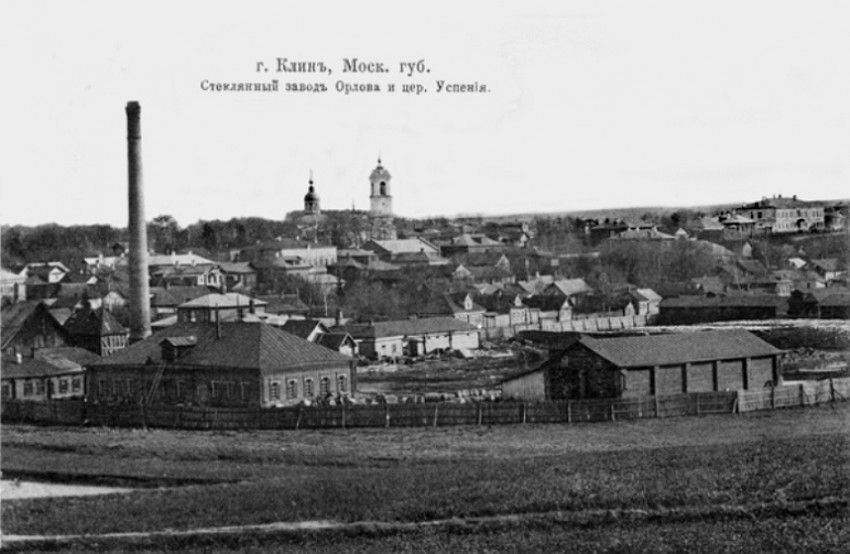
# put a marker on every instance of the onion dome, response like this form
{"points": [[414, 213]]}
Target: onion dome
{"points": [[311, 195]]}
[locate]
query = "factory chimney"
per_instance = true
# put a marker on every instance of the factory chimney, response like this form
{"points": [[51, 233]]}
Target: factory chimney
{"points": [[140, 315]]}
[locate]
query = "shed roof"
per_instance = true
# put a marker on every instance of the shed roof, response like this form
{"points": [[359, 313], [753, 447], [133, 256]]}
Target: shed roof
{"points": [[679, 348]]}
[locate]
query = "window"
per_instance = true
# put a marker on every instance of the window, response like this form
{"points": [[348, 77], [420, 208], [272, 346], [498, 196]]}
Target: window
{"points": [[181, 389], [102, 387], [39, 387], [325, 385], [243, 390], [231, 390], [342, 385], [63, 386], [292, 389], [28, 389], [117, 387], [274, 390], [308, 388], [7, 390]]}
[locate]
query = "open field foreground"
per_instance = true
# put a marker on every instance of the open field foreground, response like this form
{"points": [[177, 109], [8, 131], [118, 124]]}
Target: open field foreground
{"points": [[767, 481]]}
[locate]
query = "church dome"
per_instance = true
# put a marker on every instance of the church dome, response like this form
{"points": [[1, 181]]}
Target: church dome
{"points": [[379, 173], [311, 195]]}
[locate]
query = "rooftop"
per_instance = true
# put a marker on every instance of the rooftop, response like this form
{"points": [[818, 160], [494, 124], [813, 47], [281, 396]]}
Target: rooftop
{"points": [[240, 346], [679, 348]]}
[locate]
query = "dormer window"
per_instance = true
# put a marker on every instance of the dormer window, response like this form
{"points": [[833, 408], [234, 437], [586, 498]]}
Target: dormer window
{"points": [[175, 347]]}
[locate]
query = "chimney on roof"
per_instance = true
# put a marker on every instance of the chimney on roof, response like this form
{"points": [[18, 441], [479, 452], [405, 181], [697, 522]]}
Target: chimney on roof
{"points": [[140, 317]]}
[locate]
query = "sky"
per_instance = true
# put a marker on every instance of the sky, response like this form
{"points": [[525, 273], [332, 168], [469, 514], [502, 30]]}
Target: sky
{"points": [[590, 105]]}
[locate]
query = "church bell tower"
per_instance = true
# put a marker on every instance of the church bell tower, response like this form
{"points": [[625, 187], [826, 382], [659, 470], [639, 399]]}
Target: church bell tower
{"points": [[381, 203]]}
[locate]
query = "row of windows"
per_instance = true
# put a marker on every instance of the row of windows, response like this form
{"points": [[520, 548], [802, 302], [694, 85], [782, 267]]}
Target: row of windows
{"points": [[219, 390], [291, 390], [63, 386]]}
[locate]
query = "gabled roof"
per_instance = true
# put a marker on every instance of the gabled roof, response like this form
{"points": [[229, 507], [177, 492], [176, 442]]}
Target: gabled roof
{"points": [[827, 264], [407, 327], [649, 294], [402, 246], [304, 327], [87, 322], [14, 316], [48, 362], [334, 341], [241, 346], [571, 287], [654, 350]]}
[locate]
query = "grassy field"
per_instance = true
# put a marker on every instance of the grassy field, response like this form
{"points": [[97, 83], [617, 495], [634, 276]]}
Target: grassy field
{"points": [[769, 458]]}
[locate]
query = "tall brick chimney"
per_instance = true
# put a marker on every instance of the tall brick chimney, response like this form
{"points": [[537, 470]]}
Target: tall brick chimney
{"points": [[140, 314]]}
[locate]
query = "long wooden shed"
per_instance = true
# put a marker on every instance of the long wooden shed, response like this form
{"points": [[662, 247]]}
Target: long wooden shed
{"points": [[623, 367]]}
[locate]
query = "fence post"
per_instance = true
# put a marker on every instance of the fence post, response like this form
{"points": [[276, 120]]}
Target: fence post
{"points": [[387, 415], [831, 390], [569, 412], [436, 412], [698, 410], [772, 398], [613, 413], [802, 395], [657, 410], [343, 416], [480, 413], [523, 413], [298, 421]]}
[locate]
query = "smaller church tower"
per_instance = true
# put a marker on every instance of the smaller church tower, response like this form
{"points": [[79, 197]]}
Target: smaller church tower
{"points": [[381, 214], [311, 199], [381, 199]]}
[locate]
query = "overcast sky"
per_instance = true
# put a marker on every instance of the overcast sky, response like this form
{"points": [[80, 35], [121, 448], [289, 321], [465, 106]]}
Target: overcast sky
{"points": [[591, 105]]}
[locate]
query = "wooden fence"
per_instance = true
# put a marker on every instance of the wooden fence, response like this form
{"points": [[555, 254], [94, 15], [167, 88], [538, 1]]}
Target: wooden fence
{"points": [[801, 393], [438, 414]]}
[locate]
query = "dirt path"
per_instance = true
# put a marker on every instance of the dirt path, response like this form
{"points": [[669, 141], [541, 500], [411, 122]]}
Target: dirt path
{"points": [[835, 507]]}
